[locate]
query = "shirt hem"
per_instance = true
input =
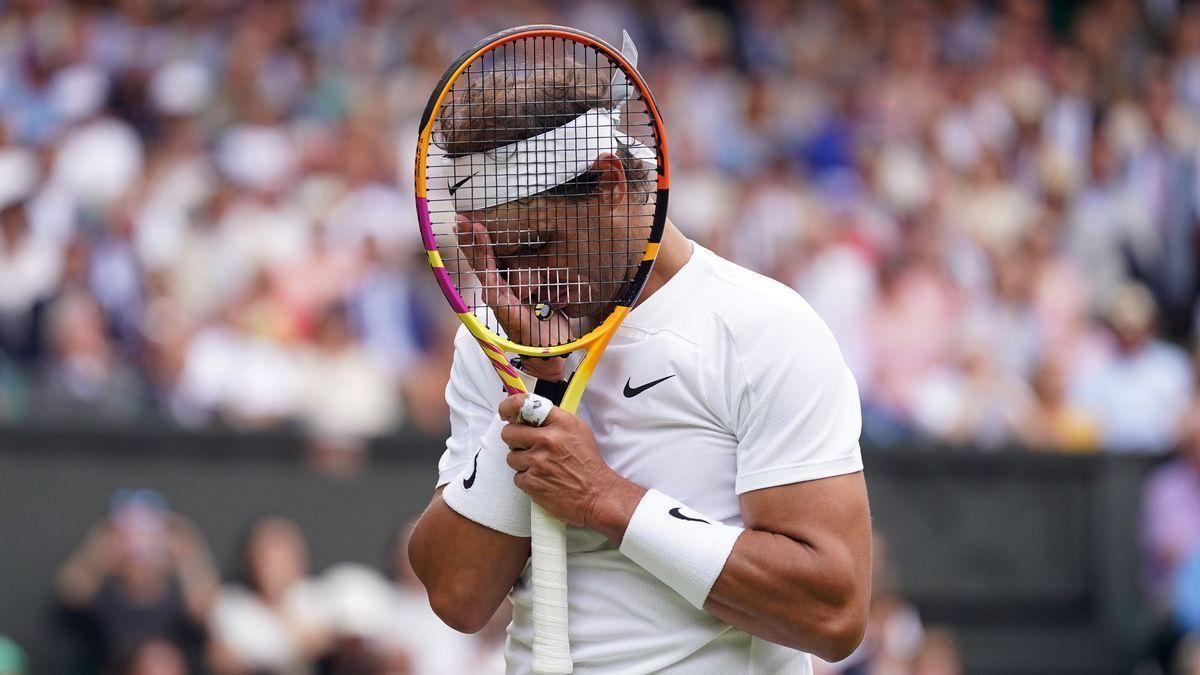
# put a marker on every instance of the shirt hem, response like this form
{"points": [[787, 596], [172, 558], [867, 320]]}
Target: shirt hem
{"points": [[444, 477], [797, 473]]}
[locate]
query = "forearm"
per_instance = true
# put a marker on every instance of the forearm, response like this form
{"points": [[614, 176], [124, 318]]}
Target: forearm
{"points": [[796, 593], [468, 569], [791, 593]]}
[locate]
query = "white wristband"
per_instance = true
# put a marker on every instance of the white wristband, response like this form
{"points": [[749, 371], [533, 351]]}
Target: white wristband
{"points": [[484, 491], [684, 549]]}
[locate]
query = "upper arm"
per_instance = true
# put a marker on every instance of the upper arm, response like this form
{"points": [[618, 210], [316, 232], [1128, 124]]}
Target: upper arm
{"points": [[795, 409]]}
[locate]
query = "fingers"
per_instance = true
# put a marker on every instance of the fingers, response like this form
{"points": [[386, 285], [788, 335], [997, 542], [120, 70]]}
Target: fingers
{"points": [[473, 240], [519, 460], [510, 408], [513, 315], [522, 462], [520, 437], [510, 411], [509, 297]]}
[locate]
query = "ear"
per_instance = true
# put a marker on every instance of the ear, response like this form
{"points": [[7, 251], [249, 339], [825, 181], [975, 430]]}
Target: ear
{"points": [[611, 177]]}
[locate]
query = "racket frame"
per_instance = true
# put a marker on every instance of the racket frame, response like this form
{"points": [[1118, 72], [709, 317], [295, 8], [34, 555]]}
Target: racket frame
{"points": [[551, 647]]}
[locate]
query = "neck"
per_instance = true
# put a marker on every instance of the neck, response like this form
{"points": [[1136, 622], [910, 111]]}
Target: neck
{"points": [[673, 253]]}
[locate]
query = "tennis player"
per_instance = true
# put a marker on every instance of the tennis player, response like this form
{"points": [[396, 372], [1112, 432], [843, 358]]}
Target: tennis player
{"points": [[711, 482]]}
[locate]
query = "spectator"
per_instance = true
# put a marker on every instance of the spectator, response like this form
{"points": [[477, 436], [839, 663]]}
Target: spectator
{"points": [[1053, 422], [345, 393], [1139, 393], [356, 601], [273, 620], [1171, 513], [142, 574], [88, 379], [244, 368], [30, 268], [99, 160]]}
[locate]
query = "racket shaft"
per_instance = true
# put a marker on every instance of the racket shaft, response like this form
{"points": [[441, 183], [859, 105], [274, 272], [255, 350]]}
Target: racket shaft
{"points": [[549, 556]]}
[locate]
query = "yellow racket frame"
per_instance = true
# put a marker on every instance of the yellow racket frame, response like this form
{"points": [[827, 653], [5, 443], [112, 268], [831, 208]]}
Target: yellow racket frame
{"points": [[551, 648], [495, 345]]}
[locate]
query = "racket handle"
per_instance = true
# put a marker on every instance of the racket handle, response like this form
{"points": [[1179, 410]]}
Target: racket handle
{"points": [[551, 644]]}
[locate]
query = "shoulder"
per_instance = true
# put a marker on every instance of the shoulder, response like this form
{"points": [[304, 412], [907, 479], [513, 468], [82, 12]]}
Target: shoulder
{"points": [[756, 312]]}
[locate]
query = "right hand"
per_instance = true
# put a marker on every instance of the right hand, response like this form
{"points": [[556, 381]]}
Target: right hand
{"points": [[512, 306]]}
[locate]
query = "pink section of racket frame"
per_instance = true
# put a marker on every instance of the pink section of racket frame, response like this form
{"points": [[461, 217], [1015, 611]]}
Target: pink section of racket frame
{"points": [[439, 272]]}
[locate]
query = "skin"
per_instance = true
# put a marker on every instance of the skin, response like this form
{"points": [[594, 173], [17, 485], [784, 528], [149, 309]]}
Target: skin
{"points": [[511, 246], [798, 576]]}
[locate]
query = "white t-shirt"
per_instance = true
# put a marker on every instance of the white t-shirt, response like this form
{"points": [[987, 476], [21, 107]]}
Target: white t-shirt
{"points": [[752, 392]]}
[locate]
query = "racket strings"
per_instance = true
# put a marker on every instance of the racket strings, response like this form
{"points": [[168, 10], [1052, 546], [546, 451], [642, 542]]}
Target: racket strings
{"points": [[553, 265]]}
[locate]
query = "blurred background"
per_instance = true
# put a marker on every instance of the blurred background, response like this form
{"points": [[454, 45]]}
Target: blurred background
{"points": [[222, 357]]}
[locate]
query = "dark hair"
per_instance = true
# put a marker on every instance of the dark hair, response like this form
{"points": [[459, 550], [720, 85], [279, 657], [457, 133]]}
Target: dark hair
{"points": [[498, 108]]}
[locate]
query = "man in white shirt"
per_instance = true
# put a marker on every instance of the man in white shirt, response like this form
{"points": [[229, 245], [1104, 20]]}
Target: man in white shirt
{"points": [[721, 389], [711, 481]]}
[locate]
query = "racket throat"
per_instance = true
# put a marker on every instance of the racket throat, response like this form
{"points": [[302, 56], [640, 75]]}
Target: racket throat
{"points": [[555, 391], [552, 390]]}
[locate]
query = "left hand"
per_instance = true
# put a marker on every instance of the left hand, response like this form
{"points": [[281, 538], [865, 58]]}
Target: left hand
{"points": [[558, 464]]}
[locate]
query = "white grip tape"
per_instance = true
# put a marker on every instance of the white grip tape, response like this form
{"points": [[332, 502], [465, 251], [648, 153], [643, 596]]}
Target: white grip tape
{"points": [[551, 643], [535, 409]]}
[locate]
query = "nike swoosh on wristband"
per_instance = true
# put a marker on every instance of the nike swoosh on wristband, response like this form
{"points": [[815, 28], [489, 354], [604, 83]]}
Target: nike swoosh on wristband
{"points": [[454, 188], [675, 513], [630, 392], [470, 480]]}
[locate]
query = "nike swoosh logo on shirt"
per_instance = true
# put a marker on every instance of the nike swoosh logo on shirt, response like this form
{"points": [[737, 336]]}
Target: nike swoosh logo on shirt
{"points": [[470, 480], [454, 188], [676, 514], [630, 392]]}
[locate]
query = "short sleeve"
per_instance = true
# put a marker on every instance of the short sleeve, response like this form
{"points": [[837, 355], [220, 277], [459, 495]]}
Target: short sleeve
{"points": [[794, 404], [473, 395]]}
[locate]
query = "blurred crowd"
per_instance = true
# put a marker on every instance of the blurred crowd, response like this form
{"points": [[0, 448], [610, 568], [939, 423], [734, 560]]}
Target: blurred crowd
{"points": [[1170, 527], [206, 219], [141, 595], [206, 213]]}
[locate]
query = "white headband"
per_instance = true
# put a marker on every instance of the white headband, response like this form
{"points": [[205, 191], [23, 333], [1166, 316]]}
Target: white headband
{"points": [[517, 170]]}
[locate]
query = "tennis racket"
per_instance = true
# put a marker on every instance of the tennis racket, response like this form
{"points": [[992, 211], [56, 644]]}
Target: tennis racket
{"points": [[541, 189]]}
